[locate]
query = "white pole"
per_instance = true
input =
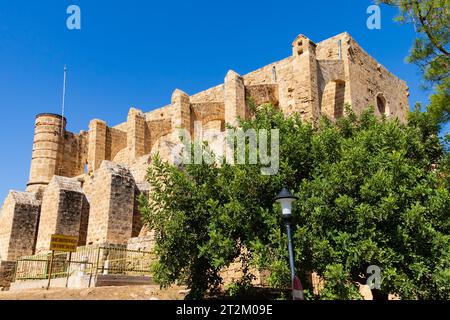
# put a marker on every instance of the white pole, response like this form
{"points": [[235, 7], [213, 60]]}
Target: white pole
{"points": [[106, 267], [63, 99]]}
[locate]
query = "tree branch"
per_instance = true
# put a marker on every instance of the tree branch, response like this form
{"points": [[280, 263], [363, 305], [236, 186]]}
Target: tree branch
{"points": [[422, 20]]}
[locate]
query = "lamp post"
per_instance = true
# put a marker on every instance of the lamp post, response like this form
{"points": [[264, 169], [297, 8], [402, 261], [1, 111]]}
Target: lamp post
{"points": [[285, 199]]}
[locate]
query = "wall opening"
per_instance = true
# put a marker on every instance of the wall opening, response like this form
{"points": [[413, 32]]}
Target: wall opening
{"points": [[381, 104]]}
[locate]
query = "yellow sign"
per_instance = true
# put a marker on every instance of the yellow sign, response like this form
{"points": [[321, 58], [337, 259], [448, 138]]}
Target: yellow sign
{"points": [[63, 243]]}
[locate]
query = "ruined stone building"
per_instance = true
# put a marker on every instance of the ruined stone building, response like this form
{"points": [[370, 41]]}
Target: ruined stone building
{"points": [[86, 184]]}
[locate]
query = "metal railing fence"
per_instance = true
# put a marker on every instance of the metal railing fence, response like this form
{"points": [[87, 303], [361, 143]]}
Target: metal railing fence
{"points": [[89, 260]]}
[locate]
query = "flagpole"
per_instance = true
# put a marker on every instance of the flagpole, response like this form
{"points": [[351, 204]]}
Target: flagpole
{"points": [[63, 99]]}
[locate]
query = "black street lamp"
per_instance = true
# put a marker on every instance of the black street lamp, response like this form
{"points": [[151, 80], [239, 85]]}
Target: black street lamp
{"points": [[285, 199]]}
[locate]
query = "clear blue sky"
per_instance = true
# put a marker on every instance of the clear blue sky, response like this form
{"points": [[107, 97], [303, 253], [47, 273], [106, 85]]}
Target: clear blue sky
{"points": [[135, 53]]}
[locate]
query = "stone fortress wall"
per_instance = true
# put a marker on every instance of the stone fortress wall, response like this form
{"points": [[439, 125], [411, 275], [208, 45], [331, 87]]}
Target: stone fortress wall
{"points": [[86, 184]]}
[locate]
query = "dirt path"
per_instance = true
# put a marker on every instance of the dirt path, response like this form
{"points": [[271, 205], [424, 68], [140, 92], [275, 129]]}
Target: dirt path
{"points": [[102, 293]]}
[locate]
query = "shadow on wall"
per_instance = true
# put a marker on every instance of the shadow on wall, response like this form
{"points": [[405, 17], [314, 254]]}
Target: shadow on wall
{"points": [[333, 99]]}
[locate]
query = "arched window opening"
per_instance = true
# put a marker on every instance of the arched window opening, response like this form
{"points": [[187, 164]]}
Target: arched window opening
{"points": [[381, 104]]}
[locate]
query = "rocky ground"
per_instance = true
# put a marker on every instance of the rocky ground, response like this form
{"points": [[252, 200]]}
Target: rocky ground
{"points": [[101, 293]]}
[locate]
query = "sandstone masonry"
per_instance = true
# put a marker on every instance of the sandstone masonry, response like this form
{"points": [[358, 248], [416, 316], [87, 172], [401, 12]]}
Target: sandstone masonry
{"points": [[86, 184]]}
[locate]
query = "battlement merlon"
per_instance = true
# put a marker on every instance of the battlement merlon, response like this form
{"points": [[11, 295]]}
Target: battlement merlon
{"points": [[318, 78]]}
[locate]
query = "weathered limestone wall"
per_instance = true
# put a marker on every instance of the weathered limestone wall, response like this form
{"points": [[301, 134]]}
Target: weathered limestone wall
{"points": [[144, 243], [47, 156], [154, 130], [369, 79], [74, 154], [159, 114], [293, 81], [328, 49], [116, 140], [330, 71], [62, 208], [234, 93], [214, 94], [268, 74], [262, 94], [104, 143], [333, 99], [364, 77], [97, 144], [111, 205], [181, 112], [6, 273], [55, 151], [84, 221], [205, 112], [18, 225], [306, 91], [136, 133]]}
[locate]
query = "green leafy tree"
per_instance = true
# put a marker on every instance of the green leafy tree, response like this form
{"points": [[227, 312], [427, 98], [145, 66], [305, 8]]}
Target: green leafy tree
{"points": [[205, 216], [371, 192], [430, 51]]}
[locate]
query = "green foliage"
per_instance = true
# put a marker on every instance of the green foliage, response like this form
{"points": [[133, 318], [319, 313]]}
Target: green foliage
{"points": [[430, 51], [182, 204], [439, 107], [371, 192], [379, 204], [337, 286], [431, 19], [241, 287]]}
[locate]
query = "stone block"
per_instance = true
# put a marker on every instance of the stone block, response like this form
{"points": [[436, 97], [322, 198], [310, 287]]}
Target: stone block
{"points": [[97, 144], [18, 225], [62, 208], [136, 133], [181, 111], [111, 205], [234, 96]]}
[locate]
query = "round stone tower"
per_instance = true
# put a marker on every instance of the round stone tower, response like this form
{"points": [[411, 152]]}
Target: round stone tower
{"points": [[47, 154]]}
